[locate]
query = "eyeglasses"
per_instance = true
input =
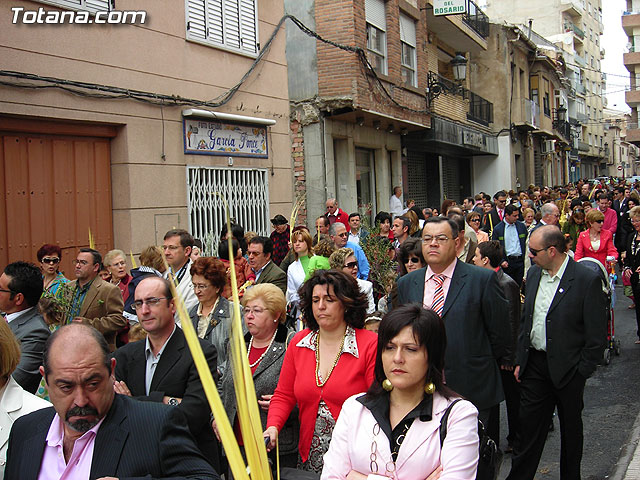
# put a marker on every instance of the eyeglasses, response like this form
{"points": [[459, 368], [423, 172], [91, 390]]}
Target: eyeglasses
{"points": [[81, 262], [536, 251], [438, 238], [173, 248], [254, 310], [343, 234], [200, 286], [51, 260], [150, 302], [413, 260], [7, 291], [351, 265]]}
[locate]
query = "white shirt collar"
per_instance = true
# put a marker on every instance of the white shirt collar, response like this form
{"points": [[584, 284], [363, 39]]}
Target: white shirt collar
{"points": [[12, 316], [350, 345]]}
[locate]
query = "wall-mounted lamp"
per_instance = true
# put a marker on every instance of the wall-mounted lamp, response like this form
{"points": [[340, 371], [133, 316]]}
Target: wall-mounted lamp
{"points": [[459, 64], [437, 85], [560, 116], [377, 124], [360, 121], [404, 132], [390, 128]]}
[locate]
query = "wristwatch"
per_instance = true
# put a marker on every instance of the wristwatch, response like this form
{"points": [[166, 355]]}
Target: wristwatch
{"points": [[173, 401]]}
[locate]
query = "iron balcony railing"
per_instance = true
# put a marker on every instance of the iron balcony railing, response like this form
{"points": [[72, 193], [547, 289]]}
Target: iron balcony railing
{"points": [[572, 27], [480, 109], [476, 19], [564, 128]]}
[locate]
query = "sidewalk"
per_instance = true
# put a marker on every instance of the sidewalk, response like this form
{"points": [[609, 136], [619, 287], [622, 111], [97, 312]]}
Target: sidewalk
{"points": [[628, 466]]}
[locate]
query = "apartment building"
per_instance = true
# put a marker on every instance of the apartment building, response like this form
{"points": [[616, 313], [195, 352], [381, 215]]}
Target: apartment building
{"points": [[631, 59], [574, 27], [128, 130]]}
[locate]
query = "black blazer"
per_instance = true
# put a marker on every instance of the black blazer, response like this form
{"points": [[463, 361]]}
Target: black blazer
{"points": [[135, 440], [576, 323], [478, 333], [498, 234], [511, 290], [175, 376], [490, 221]]}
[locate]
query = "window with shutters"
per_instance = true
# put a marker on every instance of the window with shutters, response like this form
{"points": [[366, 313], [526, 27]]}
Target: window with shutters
{"points": [[408, 50], [228, 24], [376, 35], [88, 5]]}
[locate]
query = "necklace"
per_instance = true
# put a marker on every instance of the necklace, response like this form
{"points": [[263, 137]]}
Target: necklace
{"points": [[265, 351], [335, 362]]}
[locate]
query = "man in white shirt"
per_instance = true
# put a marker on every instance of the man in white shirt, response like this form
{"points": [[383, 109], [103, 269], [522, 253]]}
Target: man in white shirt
{"points": [[177, 248], [395, 203], [356, 232]]}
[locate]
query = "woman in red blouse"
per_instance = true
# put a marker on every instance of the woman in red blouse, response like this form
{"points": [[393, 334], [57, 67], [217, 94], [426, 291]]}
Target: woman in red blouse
{"points": [[595, 242], [326, 363]]}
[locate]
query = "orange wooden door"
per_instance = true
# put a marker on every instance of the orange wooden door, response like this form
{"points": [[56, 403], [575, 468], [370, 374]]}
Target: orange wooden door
{"points": [[55, 189]]}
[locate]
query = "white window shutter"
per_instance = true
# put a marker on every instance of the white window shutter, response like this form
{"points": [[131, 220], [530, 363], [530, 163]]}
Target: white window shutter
{"points": [[248, 30], [196, 24], [215, 22], [407, 30], [232, 24], [98, 5], [375, 14]]}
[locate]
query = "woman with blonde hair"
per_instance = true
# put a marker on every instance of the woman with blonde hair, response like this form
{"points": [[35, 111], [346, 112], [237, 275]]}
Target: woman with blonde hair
{"points": [[14, 401], [115, 262], [302, 244], [474, 221], [596, 242], [344, 259]]}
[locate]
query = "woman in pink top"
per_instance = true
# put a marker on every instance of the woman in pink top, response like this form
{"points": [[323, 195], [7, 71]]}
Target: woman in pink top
{"points": [[596, 242], [326, 363]]}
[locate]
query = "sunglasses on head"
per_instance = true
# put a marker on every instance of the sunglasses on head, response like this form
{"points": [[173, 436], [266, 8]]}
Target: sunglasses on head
{"points": [[50, 260]]}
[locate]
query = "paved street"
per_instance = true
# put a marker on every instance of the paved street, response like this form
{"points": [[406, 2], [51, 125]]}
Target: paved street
{"points": [[612, 404]]}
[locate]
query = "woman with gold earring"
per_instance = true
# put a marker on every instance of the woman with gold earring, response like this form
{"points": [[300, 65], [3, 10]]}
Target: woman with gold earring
{"points": [[398, 419]]}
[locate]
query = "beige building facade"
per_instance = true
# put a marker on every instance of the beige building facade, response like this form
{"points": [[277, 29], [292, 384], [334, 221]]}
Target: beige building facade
{"points": [[158, 98]]}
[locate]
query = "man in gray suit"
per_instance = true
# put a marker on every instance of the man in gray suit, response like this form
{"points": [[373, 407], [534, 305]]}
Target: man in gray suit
{"points": [[127, 438], [259, 251], [20, 290], [474, 311]]}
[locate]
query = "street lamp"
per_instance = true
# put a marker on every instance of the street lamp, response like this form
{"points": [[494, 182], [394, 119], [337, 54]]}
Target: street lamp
{"points": [[437, 85], [562, 113], [459, 64]]}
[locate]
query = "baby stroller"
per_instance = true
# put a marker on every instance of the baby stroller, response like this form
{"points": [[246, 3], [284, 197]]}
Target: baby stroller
{"points": [[608, 287]]}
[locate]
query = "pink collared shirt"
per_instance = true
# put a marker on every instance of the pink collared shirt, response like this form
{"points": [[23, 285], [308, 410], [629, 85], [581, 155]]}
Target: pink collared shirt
{"points": [[430, 283], [54, 467]]}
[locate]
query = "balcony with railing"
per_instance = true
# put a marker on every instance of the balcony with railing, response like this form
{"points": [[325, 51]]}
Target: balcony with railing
{"points": [[575, 8], [580, 60], [583, 146], [476, 19], [581, 89], [480, 109], [578, 33], [467, 32]]}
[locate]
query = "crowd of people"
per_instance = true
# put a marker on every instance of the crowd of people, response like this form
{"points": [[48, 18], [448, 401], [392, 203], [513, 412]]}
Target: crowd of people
{"points": [[356, 335]]}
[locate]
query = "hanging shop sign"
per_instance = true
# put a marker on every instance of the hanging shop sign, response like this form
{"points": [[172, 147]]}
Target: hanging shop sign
{"points": [[449, 7], [206, 137]]}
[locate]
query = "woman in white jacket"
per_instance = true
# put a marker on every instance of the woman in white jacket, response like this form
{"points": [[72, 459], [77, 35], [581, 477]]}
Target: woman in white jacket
{"points": [[302, 244], [393, 431], [14, 401]]}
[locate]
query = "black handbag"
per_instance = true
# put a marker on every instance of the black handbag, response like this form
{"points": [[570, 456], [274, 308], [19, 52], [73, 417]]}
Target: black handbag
{"points": [[490, 457]]}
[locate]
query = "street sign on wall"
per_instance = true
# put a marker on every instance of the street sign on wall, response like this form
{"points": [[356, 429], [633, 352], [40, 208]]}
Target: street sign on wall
{"points": [[449, 7]]}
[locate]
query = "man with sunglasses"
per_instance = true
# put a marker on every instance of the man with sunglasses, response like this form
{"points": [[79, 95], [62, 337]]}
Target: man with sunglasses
{"points": [[93, 301], [562, 337], [161, 368], [20, 290], [340, 236]]}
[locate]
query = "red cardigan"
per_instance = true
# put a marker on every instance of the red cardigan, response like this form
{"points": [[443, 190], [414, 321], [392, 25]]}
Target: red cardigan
{"points": [[350, 376], [607, 249]]}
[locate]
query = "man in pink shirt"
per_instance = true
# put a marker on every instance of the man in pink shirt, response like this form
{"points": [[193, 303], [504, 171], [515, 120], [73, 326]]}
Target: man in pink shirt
{"points": [[610, 216], [90, 432]]}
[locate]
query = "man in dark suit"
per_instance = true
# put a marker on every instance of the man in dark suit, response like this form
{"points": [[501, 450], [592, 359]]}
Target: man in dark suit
{"points": [[161, 368], [20, 291], [621, 206], [474, 311], [562, 337], [512, 235], [496, 215], [259, 252], [129, 439], [489, 255], [93, 301]]}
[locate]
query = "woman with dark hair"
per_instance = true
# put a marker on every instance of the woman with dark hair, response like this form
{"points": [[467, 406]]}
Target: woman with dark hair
{"points": [[574, 226], [325, 364], [244, 273], [410, 256], [237, 231], [211, 317], [49, 257], [446, 205], [383, 220], [393, 430]]}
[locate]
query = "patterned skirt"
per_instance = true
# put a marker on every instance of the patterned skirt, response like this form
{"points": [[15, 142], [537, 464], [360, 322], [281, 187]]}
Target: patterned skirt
{"points": [[320, 441]]}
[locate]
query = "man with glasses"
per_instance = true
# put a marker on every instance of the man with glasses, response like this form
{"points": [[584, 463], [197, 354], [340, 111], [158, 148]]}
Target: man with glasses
{"points": [[259, 251], [340, 237], [495, 215], [562, 337], [177, 249], [161, 368], [473, 308], [93, 301], [20, 290], [336, 214]]}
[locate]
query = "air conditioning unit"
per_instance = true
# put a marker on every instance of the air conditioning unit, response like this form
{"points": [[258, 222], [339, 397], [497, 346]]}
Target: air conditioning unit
{"points": [[548, 146]]}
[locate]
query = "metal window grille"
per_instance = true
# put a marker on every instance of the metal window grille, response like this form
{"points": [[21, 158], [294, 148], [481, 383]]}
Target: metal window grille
{"points": [[245, 189]]}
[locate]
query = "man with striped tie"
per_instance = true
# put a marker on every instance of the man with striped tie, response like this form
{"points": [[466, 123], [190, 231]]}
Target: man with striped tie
{"points": [[474, 311]]}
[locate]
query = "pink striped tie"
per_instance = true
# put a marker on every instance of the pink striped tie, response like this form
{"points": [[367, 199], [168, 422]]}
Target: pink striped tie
{"points": [[438, 296]]}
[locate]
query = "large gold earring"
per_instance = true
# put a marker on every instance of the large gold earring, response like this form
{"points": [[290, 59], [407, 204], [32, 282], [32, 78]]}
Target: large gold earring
{"points": [[429, 388], [387, 385]]}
